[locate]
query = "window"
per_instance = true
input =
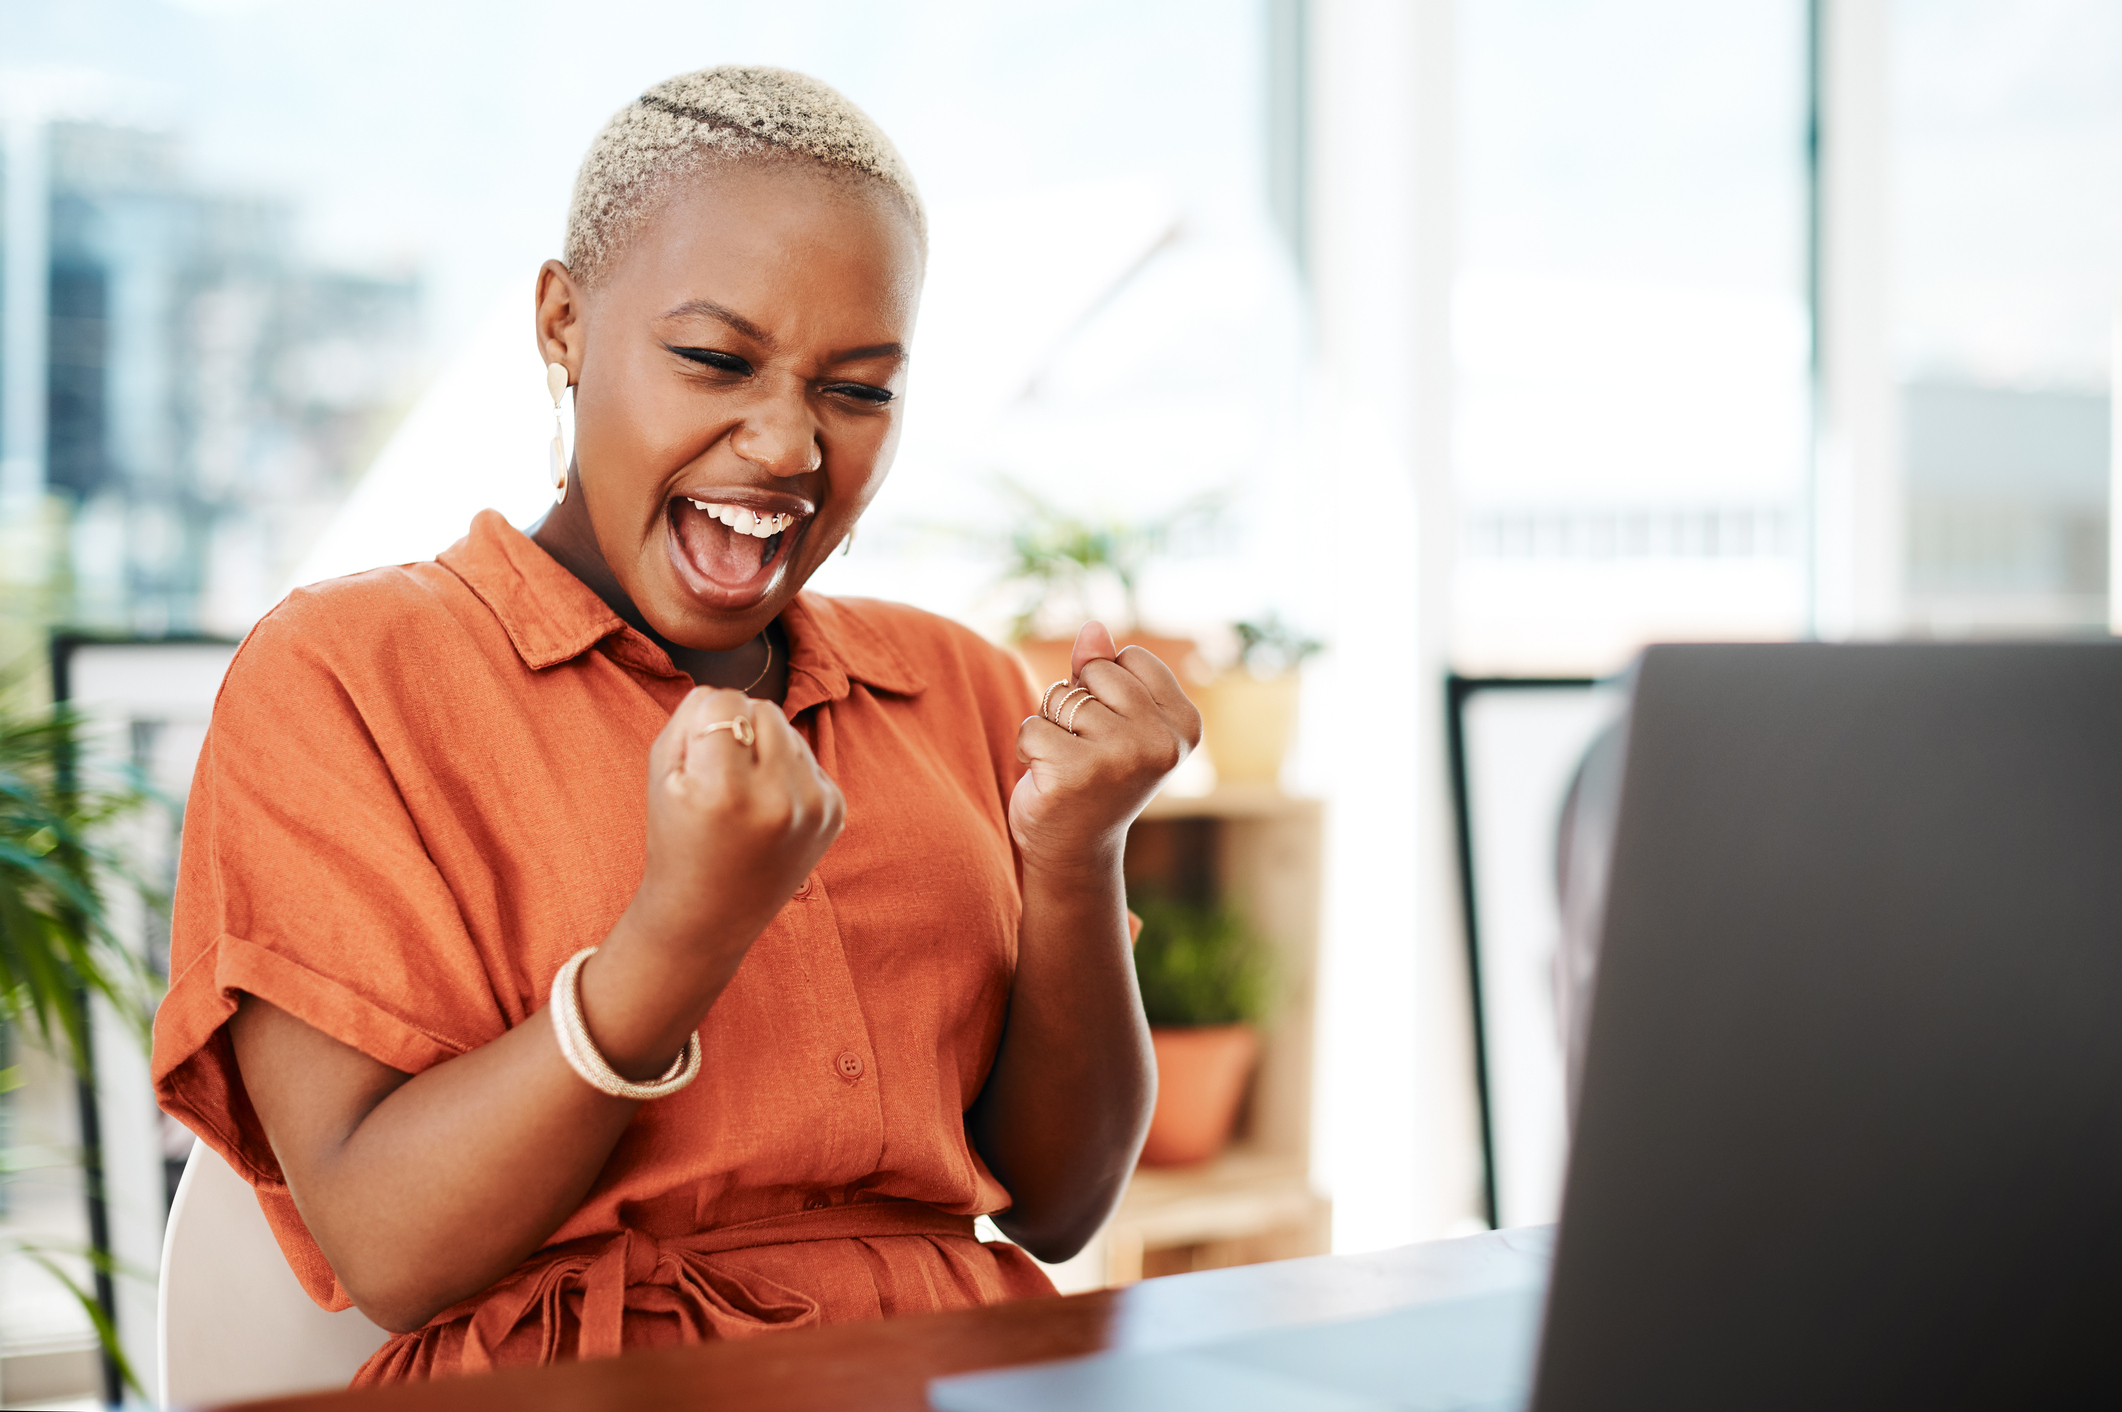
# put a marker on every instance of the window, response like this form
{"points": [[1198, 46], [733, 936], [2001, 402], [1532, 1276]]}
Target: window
{"points": [[1630, 328], [2007, 220]]}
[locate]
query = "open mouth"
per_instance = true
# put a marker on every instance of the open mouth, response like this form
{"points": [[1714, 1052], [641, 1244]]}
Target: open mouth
{"points": [[732, 552]]}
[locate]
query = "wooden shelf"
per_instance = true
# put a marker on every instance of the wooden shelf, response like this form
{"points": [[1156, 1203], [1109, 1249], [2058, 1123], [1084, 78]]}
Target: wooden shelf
{"points": [[1244, 1207], [1231, 801], [1259, 850]]}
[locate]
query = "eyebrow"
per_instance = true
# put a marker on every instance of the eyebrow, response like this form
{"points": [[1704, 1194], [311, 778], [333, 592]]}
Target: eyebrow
{"points": [[874, 350], [752, 331], [727, 315]]}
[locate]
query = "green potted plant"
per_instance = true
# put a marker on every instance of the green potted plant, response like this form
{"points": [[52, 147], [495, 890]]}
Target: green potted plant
{"points": [[57, 947], [1205, 979], [1249, 713], [1060, 566]]}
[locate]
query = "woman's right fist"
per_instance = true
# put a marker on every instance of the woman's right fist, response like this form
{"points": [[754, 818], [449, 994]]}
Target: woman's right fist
{"points": [[733, 827]]}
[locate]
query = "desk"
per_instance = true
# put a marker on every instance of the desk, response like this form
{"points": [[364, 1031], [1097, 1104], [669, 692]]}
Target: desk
{"points": [[887, 1365]]}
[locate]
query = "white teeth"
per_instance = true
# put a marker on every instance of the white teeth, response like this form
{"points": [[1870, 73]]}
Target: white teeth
{"points": [[744, 521]]}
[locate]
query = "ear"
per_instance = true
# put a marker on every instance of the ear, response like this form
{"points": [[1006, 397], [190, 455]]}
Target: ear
{"points": [[560, 326]]}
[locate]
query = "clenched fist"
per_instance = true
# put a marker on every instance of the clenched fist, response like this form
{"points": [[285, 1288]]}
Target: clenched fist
{"points": [[1080, 791], [733, 827]]}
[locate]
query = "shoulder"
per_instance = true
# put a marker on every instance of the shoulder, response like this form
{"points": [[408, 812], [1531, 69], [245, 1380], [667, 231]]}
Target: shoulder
{"points": [[347, 635], [361, 607]]}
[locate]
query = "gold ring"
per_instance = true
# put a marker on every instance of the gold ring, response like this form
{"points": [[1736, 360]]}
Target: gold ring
{"points": [[1070, 724], [1062, 704], [740, 728], [1046, 699]]}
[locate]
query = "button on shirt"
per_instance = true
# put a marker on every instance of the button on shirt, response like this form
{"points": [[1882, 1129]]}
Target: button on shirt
{"points": [[422, 792]]}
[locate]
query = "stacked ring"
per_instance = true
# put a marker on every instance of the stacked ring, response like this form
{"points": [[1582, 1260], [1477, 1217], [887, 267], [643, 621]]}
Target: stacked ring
{"points": [[1051, 709]]}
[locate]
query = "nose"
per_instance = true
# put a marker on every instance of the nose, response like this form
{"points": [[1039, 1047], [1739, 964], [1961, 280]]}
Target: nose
{"points": [[778, 436]]}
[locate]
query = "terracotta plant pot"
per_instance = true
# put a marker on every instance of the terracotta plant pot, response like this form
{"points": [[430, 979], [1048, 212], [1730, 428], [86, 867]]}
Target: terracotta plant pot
{"points": [[1201, 1074], [1247, 722], [1048, 657]]}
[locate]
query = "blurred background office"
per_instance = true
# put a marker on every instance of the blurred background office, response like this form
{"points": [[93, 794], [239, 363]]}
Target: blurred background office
{"points": [[1500, 336]]}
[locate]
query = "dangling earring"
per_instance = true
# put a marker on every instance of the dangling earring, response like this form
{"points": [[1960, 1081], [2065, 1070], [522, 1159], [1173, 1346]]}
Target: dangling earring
{"points": [[556, 383], [847, 545]]}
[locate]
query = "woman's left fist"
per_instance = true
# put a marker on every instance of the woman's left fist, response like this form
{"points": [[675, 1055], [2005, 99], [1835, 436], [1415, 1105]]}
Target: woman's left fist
{"points": [[1080, 791]]}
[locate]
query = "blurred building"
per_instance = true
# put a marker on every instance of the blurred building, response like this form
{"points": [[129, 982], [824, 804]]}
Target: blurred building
{"points": [[206, 397], [2007, 508]]}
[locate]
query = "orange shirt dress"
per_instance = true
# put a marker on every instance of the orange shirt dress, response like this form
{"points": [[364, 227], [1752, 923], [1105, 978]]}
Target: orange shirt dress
{"points": [[423, 790]]}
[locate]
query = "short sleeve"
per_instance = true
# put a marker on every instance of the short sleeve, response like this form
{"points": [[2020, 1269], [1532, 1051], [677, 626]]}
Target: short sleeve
{"points": [[303, 880], [1002, 683]]}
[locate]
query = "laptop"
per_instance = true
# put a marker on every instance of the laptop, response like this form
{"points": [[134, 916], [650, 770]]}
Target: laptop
{"points": [[1849, 1133]]}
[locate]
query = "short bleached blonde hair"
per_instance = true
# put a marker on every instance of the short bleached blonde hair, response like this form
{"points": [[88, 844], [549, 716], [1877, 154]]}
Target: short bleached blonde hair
{"points": [[731, 112]]}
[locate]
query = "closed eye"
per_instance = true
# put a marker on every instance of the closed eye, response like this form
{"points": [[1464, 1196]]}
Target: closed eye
{"points": [[712, 358], [862, 392]]}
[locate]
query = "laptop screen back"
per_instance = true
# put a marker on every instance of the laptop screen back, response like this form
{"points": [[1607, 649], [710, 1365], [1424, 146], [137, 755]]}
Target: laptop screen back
{"points": [[1850, 1132]]}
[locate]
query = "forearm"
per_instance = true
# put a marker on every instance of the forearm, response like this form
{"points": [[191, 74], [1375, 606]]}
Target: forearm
{"points": [[422, 1191], [1067, 1102]]}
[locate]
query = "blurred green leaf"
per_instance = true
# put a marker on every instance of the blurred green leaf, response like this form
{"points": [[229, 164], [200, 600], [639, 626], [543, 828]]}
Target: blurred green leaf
{"points": [[1053, 556], [1198, 965], [57, 948], [56, 943], [41, 1254], [1272, 648]]}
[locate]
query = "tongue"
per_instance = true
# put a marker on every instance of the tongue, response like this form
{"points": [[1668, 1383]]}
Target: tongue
{"points": [[718, 551]]}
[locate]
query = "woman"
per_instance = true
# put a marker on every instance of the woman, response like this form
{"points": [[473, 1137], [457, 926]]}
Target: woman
{"points": [[529, 1063]]}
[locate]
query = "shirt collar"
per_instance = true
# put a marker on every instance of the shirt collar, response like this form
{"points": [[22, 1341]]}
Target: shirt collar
{"points": [[551, 617], [829, 645]]}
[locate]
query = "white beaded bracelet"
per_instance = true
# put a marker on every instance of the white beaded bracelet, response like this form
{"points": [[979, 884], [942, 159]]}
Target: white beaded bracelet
{"points": [[580, 1050]]}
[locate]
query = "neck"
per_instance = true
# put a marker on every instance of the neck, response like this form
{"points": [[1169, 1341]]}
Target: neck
{"points": [[565, 533]]}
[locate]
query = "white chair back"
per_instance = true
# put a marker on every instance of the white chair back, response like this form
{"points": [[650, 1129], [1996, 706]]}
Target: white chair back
{"points": [[233, 1321]]}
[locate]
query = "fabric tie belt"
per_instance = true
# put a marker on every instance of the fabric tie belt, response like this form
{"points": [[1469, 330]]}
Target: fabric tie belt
{"points": [[611, 1274]]}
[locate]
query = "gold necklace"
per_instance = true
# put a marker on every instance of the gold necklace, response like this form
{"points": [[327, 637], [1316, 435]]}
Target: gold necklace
{"points": [[769, 662]]}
